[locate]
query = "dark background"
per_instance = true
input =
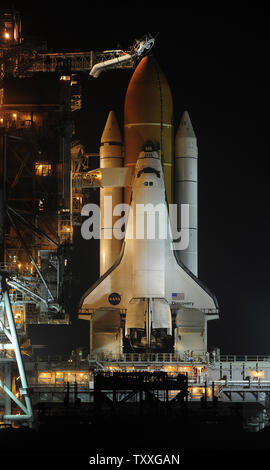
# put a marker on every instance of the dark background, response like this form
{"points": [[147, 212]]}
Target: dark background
{"points": [[218, 69]]}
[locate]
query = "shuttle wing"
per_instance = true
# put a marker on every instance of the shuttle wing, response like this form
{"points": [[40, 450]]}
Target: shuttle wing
{"points": [[114, 288], [184, 288]]}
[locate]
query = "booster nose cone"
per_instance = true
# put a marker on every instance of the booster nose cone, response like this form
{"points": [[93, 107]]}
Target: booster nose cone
{"points": [[149, 116], [185, 128], [185, 139], [111, 131]]}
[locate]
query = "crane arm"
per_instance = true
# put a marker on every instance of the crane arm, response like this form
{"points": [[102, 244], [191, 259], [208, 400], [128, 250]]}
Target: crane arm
{"points": [[120, 59]]}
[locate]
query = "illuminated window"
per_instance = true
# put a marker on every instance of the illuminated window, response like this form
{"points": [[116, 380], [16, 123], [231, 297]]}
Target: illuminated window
{"points": [[45, 378], [18, 317], [43, 169], [59, 378]]}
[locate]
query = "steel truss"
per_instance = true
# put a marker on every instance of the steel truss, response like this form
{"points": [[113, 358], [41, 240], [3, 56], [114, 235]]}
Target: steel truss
{"points": [[13, 344]]}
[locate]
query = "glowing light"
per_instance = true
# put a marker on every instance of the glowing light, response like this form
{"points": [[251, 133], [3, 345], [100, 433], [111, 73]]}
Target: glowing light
{"points": [[258, 374], [43, 169], [14, 115], [6, 35]]}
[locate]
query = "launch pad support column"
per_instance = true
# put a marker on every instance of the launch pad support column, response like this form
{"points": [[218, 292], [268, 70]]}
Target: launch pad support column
{"points": [[2, 197], [28, 416], [7, 398], [91, 337]]}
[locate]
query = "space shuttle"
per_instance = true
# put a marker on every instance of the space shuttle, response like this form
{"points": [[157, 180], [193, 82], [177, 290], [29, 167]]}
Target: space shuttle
{"points": [[147, 298]]}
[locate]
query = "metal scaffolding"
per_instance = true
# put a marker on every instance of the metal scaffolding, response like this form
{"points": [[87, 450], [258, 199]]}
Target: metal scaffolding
{"points": [[13, 345]]}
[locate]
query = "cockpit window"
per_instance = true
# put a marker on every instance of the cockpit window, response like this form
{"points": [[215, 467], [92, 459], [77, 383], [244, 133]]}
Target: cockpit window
{"points": [[145, 183], [148, 170]]}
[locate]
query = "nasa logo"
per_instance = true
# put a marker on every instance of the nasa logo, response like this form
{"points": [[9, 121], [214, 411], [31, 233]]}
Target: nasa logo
{"points": [[114, 298]]}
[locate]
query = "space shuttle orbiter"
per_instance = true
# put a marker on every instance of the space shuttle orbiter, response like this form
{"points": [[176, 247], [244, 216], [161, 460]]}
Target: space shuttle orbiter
{"points": [[147, 282]]}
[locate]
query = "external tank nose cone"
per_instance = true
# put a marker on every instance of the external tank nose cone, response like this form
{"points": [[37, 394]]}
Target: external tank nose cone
{"points": [[111, 131], [148, 97], [149, 116]]}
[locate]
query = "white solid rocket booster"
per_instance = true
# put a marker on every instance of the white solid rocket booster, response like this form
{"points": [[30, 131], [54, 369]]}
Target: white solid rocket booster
{"points": [[186, 189], [110, 157]]}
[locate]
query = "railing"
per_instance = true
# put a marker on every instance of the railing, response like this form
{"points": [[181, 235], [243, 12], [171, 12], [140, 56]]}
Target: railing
{"points": [[243, 358], [46, 318], [196, 357], [67, 361], [237, 385], [149, 357], [81, 386]]}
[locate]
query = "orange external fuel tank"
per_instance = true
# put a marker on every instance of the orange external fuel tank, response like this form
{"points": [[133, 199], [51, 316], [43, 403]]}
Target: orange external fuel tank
{"points": [[149, 116]]}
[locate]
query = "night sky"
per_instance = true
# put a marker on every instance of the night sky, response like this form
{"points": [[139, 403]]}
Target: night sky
{"points": [[217, 67]]}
